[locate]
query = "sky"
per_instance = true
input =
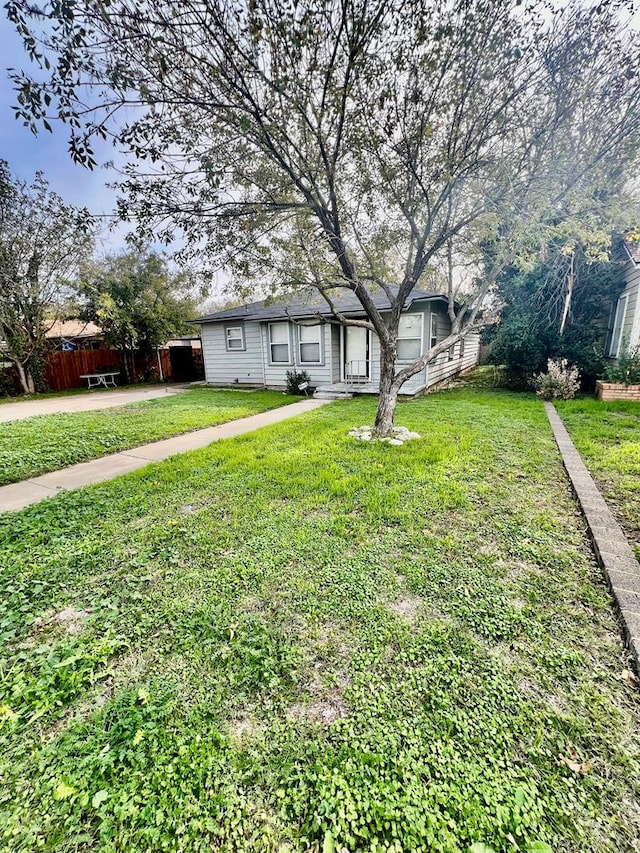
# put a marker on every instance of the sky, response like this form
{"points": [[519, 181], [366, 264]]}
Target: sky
{"points": [[47, 152]]}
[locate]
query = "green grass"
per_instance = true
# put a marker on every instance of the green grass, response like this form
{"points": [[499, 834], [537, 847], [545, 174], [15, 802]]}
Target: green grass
{"points": [[607, 435], [37, 445], [292, 641]]}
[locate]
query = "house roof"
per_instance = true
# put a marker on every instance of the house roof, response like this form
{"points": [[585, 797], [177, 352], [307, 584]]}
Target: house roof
{"points": [[309, 305], [72, 329], [633, 250]]}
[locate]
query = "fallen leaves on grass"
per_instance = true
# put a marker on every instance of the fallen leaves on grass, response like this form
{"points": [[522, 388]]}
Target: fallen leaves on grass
{"points": [[574, 762]]}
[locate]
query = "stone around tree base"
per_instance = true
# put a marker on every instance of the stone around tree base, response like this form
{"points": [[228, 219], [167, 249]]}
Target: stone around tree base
{"points": [[399, 437]]}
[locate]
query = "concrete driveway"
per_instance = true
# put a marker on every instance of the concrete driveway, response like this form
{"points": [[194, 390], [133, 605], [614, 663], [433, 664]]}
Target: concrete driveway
{"points": [[81, 402]]}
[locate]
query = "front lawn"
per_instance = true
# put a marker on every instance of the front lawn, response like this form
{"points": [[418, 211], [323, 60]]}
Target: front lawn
{"points": [[46, 443], [292, 641], [607, 435]]}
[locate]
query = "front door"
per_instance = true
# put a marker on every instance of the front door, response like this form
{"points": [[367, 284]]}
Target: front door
{"points": [[356, 354]]}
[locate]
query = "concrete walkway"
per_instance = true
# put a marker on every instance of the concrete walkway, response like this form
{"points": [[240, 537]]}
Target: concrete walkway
{"points": [[81, 402], [615, 556], [19, 495]]}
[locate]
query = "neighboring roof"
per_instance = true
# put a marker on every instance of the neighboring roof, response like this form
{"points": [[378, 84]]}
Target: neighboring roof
{"points": [[72, 329], [309, 305]]}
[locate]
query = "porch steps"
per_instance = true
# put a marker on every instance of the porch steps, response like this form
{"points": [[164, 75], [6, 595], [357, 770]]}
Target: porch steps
{"points": [[344, 390], [332, 394]]}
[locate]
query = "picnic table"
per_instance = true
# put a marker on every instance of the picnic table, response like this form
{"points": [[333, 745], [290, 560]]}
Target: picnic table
{"points": [[106, 379]]}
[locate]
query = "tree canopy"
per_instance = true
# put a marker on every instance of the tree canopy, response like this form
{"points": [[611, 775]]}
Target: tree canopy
{"points": [[137, 301], [557, 308], [42, 242], [347, 143]]}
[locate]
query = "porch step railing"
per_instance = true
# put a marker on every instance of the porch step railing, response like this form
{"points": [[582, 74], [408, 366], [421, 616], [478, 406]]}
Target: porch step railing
{"points": [[357, 372]]}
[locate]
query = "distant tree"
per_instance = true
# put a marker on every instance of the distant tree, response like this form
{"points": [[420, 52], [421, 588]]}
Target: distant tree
{"points": [[348, 143], [556, 307], [42, 241], [137, 301]]}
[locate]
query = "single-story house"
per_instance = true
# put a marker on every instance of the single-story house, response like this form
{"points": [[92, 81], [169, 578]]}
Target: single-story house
{"points": [[624, 326], [256, 344]]}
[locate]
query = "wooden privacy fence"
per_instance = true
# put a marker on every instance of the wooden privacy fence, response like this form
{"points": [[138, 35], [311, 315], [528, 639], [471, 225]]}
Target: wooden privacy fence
{"points": [[64, 369]]}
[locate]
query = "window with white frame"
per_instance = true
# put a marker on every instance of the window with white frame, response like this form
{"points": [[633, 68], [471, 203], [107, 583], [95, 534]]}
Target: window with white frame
{"points": [[309, 344], [618, 325], [279, 343], [234, 337], [433, 335], [410, 337]]}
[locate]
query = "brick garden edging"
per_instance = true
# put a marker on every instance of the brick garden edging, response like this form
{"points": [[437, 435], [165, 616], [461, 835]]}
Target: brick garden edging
{"points": [[607, 391], [614, 554]]}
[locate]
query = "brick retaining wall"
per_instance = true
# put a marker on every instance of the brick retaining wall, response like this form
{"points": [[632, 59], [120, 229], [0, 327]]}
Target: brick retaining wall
{"points": [[614, 391]]}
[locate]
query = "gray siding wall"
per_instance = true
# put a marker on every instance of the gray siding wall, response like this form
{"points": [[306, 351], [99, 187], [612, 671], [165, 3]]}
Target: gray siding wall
{"points": [[276, 374], [335, 353], [239, 367], [445, 367], [631, 328], [417, 382]]}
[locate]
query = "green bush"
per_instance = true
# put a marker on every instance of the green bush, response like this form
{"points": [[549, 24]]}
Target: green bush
{"points": [[295, 378], [8, 383], [561, 381], [627, 370]]}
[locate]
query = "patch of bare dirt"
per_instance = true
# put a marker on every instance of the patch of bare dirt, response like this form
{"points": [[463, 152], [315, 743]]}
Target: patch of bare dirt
{"points": [[489, 549], [130, 668], [253, 604], [407, 608], [326, 711], [70, 618], [246, 727]]}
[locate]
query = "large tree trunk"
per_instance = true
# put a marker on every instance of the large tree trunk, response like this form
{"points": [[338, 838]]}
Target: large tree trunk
{"points": [[388, 393], [26, 379], [128, 372]]}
